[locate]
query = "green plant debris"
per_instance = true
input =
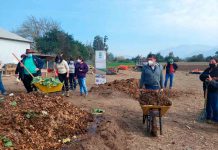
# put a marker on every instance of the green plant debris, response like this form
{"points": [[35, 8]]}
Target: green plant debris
{"points": [[14, 103], [49, 82], [6, 141], [2, 99], [30, 114]]}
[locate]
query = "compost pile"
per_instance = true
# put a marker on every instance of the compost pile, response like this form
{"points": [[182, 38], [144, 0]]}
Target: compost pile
{"points": [[131, 87], [149, 97], [36, 121], [128, 86], [49, 82]]}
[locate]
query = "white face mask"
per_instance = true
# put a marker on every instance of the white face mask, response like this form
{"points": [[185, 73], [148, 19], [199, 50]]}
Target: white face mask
{"points": [[78, 60], [150, 63]]}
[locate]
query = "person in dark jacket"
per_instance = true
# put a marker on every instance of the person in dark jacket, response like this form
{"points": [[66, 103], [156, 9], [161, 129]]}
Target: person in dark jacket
{"points": [[19, 70], [171, 68], [152, 76], [34, 66], [80, 72], [210, 81]]}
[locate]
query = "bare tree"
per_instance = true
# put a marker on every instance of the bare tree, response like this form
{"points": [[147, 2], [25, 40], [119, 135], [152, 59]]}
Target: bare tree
{"points": [[33, 28]]}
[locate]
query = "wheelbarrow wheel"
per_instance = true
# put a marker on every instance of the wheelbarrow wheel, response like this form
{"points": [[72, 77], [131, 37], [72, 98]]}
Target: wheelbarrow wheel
{"points": [[154, 128]]}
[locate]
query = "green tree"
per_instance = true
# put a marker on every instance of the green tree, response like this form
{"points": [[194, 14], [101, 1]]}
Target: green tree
{"points": [[98, 43], [110, 57], [196, 58], [160, 58], [57, 41]]}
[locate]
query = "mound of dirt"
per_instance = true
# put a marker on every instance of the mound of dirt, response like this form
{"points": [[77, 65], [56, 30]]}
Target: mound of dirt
{"points": [[131, 87], [37, 121], [128, 86], [149, 97], [108, 135]]}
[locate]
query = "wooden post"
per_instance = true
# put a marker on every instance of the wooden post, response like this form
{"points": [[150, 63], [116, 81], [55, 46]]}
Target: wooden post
{"points": [[46, 74]]}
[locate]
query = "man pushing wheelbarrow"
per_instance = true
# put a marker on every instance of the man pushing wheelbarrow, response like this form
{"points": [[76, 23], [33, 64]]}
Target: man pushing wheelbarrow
{"points": [[152, 81]]}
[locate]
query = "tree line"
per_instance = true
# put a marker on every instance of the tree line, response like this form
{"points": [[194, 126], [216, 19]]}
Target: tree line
{"points": [[49, 38]]}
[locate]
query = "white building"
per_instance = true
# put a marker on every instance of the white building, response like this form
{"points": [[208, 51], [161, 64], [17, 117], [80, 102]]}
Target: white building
{"points": [[12, 43]]}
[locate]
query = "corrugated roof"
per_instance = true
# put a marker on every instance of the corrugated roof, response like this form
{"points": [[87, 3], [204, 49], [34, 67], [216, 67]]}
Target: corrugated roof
{"points": [[11, 36]]}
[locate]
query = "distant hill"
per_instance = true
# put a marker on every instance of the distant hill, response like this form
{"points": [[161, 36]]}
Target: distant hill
{"points": [[184, 51]]}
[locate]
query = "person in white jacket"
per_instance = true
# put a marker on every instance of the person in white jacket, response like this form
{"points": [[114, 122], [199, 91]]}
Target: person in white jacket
{"points": [[62, 71], [72, 79]]}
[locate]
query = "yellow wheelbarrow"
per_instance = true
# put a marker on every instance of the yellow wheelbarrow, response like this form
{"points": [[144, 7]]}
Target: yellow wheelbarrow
{"points": [[150, 112], [47, 89]]}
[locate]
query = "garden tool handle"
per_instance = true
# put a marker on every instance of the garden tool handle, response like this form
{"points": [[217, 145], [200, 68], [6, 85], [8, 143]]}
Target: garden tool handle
{"points": [[23, 65]]}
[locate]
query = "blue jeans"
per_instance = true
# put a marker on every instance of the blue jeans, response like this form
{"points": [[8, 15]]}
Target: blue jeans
{"points": [[212, 106], [171, 76], [2, 89], [82, 84]]}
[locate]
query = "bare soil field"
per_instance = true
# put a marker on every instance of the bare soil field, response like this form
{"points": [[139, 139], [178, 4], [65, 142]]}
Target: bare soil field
{"points": [[120, 127]]}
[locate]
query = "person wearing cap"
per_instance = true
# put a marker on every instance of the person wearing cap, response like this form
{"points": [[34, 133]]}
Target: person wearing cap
{"points": [[19, 70], [171, 68], [2, 88], [34, 66], [72, 79], [151, 76], [62, 72]]}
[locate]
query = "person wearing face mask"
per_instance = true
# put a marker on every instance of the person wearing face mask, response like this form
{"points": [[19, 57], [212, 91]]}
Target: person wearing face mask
{"points": [[171, 68], [62, 72], [210, 82], [72, 79], [34, 65], [151, 76], [81, 71]]}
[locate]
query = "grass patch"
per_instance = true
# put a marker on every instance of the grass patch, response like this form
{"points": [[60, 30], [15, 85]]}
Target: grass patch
{"points": [[116, 64]]}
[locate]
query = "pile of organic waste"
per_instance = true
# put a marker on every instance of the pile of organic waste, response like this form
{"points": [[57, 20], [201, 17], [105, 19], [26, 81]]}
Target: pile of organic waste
{"points": [[149, 97], [37, 121], [131, 87]]}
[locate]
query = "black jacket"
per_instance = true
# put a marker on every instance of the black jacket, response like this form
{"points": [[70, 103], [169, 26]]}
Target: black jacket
{"points": [[175, 66], [19, 70], [205, 75], [38, 62]]}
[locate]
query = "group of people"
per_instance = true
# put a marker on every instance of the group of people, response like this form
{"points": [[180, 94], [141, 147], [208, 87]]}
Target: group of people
{"points": [[152, 79], [67, 72]]}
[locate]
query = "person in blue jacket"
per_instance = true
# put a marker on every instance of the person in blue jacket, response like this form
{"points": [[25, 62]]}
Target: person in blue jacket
{"points": [[34, 65]]}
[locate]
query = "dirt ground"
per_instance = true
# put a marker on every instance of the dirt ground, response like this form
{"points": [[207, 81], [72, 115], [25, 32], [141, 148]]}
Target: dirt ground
{"points": [[120, 127]]}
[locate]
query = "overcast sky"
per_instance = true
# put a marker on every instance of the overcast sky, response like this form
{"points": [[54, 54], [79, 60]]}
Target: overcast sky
{"points": [[133, 26]]}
